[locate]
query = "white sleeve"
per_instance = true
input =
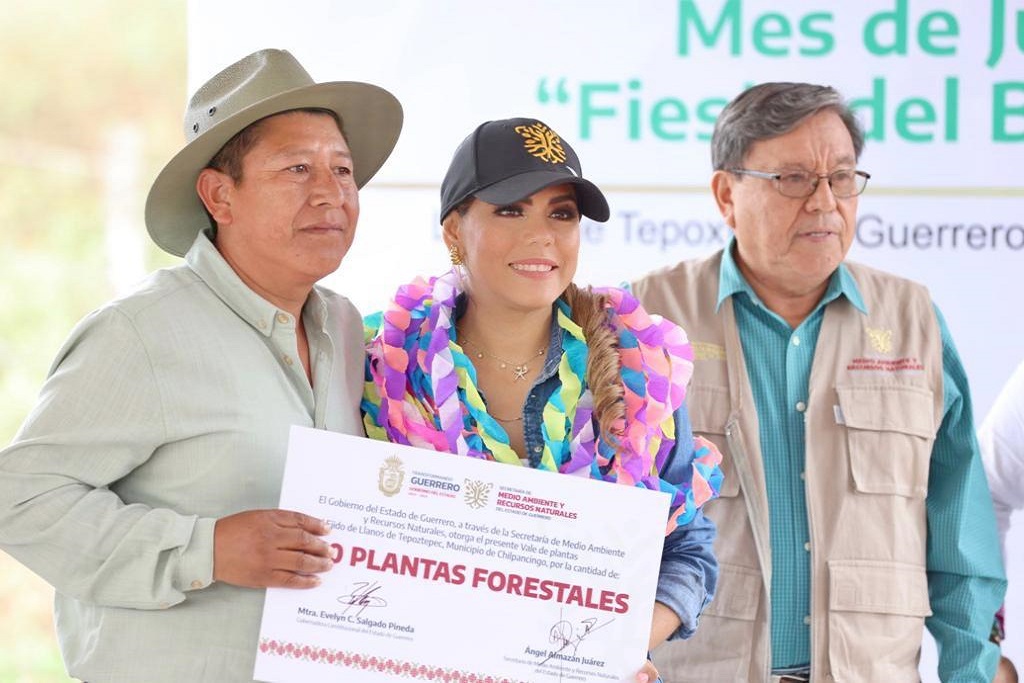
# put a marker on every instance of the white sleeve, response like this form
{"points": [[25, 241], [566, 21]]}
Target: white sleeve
{"points": [[1001, 438]]}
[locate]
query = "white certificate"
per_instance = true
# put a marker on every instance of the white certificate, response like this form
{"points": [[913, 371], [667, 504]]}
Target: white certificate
{"points": [[455, 569]]}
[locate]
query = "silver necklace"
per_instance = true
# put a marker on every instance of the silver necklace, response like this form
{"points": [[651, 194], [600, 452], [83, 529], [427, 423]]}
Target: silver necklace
{"points": [[519, 370]]}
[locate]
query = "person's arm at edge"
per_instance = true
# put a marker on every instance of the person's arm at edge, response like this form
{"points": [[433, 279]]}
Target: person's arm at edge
{"points": [[98, 417], [1001, 438]]}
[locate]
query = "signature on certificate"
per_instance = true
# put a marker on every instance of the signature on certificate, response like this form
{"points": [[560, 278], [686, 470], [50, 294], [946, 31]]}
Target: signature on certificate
{"points": [[364, 594], [567, 636]]}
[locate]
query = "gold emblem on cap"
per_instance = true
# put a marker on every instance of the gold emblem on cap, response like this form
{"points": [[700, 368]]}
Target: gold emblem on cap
{"points": [[542, 142], [881, 340]]}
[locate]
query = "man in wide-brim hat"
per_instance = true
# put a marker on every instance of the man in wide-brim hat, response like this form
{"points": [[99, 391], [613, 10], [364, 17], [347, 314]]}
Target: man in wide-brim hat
{"points": [[143, 484]]}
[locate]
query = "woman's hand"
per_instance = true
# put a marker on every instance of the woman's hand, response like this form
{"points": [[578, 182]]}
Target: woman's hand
{"points": [[648, 674], [663, 624]]}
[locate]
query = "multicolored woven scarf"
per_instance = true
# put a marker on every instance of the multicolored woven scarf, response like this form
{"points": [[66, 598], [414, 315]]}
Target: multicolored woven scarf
{"points": [[422, 391]]}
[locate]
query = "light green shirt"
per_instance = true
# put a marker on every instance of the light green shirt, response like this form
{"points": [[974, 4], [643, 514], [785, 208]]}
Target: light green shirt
{"points": [[163, 412]]}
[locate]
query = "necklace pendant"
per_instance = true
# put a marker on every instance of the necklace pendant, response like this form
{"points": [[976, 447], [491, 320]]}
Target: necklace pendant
{"points": [[520, 372]]}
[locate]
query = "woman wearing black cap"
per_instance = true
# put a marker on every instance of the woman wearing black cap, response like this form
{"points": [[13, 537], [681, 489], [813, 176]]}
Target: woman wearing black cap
{"points": [[535, 371]]}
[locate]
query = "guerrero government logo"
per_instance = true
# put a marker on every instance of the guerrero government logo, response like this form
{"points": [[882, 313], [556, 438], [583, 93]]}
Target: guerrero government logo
{"points": [[390, 476]]}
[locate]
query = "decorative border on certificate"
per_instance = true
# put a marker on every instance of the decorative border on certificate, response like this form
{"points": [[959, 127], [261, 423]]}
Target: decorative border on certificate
{"points": [[384, 665]]}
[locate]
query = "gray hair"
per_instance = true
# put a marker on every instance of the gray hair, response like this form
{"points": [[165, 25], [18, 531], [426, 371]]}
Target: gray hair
{"points": [[769, 110]]}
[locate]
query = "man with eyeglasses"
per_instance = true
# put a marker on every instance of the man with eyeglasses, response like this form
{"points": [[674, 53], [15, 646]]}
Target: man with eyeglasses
{"points": [[855, 510]]}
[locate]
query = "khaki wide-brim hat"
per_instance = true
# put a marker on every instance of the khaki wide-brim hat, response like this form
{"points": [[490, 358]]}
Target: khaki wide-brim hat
{"points": [[265, 83]]}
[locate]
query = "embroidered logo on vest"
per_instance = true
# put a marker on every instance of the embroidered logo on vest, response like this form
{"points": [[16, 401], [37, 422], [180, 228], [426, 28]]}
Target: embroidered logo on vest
{"points": [[881, 340], [908, 364], [707, 351], [542, 142]]}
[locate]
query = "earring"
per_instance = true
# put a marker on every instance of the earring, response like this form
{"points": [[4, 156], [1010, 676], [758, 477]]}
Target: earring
{"points": [[454, 255]]}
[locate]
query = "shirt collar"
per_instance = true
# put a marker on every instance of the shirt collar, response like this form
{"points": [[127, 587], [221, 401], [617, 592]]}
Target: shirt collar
{"points": [[731, 281], [207, 263]]}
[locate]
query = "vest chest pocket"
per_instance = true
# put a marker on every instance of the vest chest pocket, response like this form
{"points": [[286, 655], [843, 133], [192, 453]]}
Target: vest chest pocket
{"points": [[708, 406], [890, 431], [723, 646]]}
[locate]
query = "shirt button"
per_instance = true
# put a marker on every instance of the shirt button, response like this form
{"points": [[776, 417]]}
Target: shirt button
{"points": [[538, 449], [801, 406], [197, 584], [807, 546], [282, 318], [807, 620], [288, 360], [796, 341], [262, 324]]}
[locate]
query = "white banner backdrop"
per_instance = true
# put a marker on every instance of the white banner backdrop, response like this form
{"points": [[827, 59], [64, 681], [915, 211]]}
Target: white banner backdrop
{"points": [[635, 88]]}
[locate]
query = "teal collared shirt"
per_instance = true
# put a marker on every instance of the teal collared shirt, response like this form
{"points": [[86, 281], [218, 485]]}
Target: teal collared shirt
{"points": [[965, 576]]}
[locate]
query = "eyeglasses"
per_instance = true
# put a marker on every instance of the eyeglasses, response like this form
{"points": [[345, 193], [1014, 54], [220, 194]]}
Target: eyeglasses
{"points": [[844, 183]]}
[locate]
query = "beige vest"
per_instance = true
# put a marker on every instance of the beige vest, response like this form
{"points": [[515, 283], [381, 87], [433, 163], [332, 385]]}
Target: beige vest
{"points": [[874, 405]]}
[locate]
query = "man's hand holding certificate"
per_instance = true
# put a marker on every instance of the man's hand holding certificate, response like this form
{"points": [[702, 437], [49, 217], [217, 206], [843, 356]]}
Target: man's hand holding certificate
{"points": [[452, 568]]}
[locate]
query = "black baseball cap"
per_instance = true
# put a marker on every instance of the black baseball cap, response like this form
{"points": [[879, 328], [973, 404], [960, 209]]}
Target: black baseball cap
{"points": [[508, 160]]}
